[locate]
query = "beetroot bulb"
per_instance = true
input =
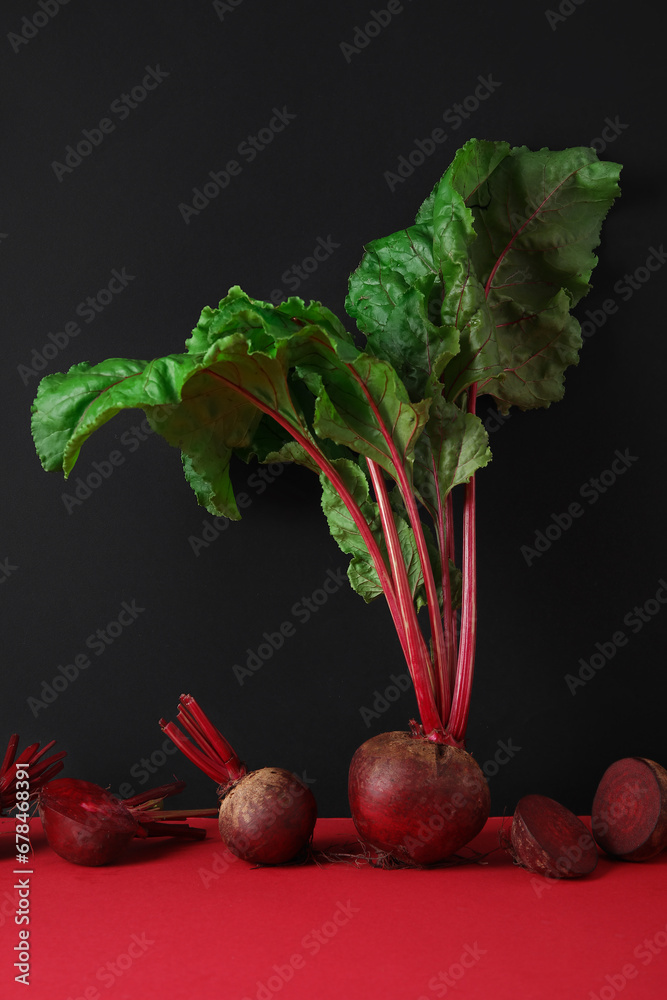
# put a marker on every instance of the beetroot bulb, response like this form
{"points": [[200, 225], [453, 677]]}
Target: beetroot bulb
{"points": [[266, 816], [88, 825], [416, 800]]}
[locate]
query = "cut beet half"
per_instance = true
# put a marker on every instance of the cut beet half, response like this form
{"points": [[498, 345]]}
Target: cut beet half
{"points": [[88, 825], [550, 840], [629, 814]]}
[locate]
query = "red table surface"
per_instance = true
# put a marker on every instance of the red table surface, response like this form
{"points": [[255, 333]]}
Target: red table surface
{"points": [[187, 921]]}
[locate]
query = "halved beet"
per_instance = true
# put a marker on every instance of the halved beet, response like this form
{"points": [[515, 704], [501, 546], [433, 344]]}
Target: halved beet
{"points": [[84, 823], [629, 814], [416, 800], [267, 816], [550, 840], [87, 825]]}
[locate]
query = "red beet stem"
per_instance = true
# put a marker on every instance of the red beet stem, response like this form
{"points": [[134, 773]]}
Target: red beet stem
{"points": [[156, 828], [183, 814], [214, 755], [41, 771], [210, 737], [9, 755], [144, 799], [212, 768]]}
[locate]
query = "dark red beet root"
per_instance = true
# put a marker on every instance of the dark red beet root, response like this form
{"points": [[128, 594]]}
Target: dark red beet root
{"points": [[415, 800], [84, 823], [550, 840], [87, 825], [629, 814], [267, 817]]}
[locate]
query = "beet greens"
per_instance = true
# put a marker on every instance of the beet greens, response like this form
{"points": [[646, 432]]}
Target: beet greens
{"points": [[474, 298]]}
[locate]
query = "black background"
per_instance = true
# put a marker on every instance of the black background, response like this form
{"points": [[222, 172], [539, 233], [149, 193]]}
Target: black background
{"points": [[68, 567]]}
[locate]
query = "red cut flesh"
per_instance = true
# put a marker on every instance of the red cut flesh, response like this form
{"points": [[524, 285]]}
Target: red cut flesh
{"points": [[550, 840], [629, 813], [416, 800], [267, 817], [84, 823]]}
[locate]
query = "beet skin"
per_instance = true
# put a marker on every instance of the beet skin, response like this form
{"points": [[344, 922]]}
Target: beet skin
{"points": [[84, 823], [267, 817], [416, 800], [550, 840]]}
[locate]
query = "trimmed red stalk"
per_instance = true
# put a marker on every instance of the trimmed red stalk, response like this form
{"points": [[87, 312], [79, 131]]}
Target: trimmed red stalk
{"points": [[265, 816], [40, 769]]}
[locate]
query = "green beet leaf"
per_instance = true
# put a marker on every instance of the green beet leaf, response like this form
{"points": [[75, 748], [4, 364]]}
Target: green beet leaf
{"points": [[537, 217], [361, 571]]}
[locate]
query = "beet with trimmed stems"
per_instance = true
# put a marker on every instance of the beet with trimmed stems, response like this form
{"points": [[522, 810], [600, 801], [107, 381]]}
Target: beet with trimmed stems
{"points": [[87, 825], [266, 816], [548, 839], [34, 770], [629, 813], [416, 800]]}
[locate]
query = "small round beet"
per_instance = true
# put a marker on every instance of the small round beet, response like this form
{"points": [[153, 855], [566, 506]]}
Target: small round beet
{"points": [[416, 800], [550, 840], [267, 816], [629, 813], [84, 823]]}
